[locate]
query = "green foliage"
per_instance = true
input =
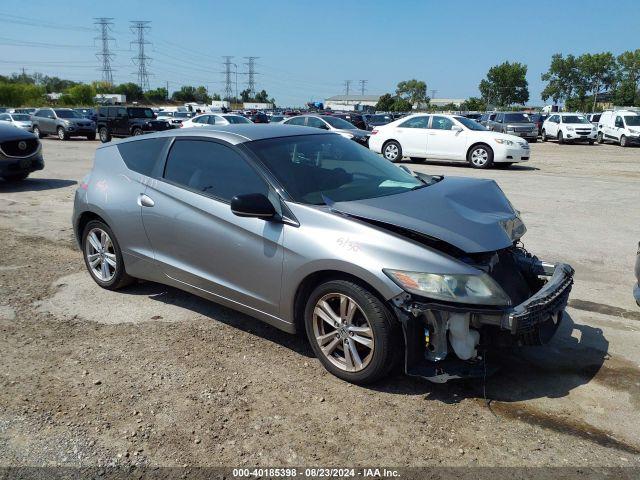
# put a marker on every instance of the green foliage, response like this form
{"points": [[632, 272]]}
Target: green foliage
{"points": [[474, 104], [562, 78], [131, 90], [384, 103], [401, 105], [628, 77], [80, 94], [505, 85], [20, 94], [414, 91], [158, 95]]}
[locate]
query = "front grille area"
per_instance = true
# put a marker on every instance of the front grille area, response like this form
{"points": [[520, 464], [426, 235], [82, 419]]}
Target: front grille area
{"points": [[583, 132], [12, 148]]}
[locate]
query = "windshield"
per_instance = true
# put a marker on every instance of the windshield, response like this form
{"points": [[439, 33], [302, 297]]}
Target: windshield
{"points": [[574, 119], [276, 118], [632, 120], [471, 124], [67, 114], [516, 118], [165, 114], [236, 119], [140, 113], [379, 118], [311, 167], [336, 122], [181, 115], [21, 117]]}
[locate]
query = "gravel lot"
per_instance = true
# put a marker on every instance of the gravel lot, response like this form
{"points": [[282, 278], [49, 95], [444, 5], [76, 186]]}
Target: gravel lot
{"points": [[154, 376]]}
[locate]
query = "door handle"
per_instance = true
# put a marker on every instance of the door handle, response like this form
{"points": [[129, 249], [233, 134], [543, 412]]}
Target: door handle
{"points": [[145, 201]]}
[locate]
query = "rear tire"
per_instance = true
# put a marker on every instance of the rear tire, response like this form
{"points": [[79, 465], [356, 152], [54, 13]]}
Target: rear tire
{"points": [[104, 134], [373, 323], [480, 156], [418, 160], [115, 275], [15, 177], [392, 151]]}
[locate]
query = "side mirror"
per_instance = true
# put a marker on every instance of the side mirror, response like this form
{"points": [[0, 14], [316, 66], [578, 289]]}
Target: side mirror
{"points": [[323, 127], [456, 128], [252, 205]]}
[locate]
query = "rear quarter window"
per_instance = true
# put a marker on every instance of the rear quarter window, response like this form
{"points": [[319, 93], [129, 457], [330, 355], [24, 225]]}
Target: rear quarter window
{"points": [[141, 155]]}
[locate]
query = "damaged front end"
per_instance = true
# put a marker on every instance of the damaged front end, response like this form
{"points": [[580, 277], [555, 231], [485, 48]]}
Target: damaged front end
{"points": [[447, 340]]}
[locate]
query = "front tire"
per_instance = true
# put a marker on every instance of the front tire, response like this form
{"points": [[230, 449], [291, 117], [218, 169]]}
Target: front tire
{"points": [[480, 156], [623, 141], [62, 135], [37, 132], [103, 257], [560, 138], [351, 331], [104, 135], [392, 151], [600, 138], [136, 132], [544, 136]]}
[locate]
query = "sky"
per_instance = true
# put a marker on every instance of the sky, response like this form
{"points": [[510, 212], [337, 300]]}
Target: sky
{"points": [[308, 49]]}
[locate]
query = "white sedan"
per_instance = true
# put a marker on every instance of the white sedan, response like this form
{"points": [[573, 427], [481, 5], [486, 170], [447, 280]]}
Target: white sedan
{"points": [[447, 137], [20, 120], [214, 119]]}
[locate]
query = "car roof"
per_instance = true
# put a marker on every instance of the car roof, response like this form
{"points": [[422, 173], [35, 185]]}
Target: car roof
{"points": [[234, 134]]}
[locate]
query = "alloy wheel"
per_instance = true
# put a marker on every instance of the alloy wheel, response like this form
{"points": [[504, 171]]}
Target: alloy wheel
{"points": [[60, 133], [101, 255], [479, 157], [391, 152], [343, 332]]}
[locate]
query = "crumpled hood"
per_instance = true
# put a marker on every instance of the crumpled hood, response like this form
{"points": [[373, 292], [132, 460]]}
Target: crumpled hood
{"points": [[471, 214]]}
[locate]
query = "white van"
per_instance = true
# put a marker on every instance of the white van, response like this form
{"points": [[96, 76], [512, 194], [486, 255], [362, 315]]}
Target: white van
{"points": [[620, 126]]}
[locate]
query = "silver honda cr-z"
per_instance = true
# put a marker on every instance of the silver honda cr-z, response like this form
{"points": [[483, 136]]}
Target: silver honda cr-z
{"points": [[312, 232]]}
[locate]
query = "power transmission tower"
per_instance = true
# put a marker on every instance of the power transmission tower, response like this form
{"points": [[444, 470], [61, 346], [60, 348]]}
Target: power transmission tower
{"points": [[139, 28], [228, 92], [363, 86], [433, 93], [251, 79], [347, 86], [104, 25]]}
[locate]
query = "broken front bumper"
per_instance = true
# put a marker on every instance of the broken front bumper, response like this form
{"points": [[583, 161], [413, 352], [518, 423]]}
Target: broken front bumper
{"points": [[429, 333]]}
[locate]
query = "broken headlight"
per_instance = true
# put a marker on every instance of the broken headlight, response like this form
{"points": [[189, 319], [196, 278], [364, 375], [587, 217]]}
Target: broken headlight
{"points": [[475, 289]]}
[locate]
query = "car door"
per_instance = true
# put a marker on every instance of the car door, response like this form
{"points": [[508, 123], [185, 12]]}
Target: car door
{"points": [[618, 129], [553, 125], [47, 121], [412, 135], [198, 242], [121, 121], [446, 139]]}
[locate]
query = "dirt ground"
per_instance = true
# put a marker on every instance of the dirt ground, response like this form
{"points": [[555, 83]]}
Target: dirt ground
{"points": [[154, 376]]}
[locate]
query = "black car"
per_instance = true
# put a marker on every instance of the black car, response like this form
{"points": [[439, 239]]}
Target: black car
{"points": [[377, 120], [258, 117], [20, 153], [87, 112], [353, 118], [127, 121]]}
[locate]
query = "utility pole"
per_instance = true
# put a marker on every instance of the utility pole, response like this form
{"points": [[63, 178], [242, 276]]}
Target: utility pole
{"points": [[363, 86], [104, 25], [433, 93], [251, 80], [228, 91], [139, 28], [347, 86]]}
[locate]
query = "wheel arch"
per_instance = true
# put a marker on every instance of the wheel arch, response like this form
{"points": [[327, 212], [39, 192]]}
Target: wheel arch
{"points": [[83, 219], [476, 144]]}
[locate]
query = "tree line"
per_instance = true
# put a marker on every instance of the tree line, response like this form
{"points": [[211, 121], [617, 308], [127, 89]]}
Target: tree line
{"points": [[21, 90]]}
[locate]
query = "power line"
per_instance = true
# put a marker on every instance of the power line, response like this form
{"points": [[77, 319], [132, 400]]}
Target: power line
{"points": [[228, 92], [104, 24], [363, 86], [139, 28], [251, 79]]}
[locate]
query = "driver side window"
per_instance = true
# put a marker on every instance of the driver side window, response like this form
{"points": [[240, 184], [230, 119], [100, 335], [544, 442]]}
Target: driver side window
{"points": [[315, 123], [295, 121], [441, 123], [619, 122]]}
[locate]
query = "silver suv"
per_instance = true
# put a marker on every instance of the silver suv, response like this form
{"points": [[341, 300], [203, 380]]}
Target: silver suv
{"points": [[63, 122], [311, 232]]}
